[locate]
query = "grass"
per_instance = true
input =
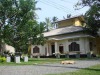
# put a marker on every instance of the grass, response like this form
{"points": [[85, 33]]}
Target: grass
{"points": [[94, 70], [34, 61]]}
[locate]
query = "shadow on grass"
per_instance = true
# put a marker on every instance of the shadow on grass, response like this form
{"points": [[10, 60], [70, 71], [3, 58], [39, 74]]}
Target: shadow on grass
{"points": [[91, 69]]}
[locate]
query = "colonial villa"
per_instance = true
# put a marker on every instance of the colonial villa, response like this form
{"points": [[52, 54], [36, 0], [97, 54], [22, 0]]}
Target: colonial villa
{"points": [[70, 37]]}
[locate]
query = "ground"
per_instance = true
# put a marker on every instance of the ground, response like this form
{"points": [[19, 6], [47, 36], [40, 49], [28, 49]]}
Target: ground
{"points": [[46, 68]]}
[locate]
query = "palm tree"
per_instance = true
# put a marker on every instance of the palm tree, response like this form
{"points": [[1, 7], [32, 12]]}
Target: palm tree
{"points": [[54, 20], [48, 24]]}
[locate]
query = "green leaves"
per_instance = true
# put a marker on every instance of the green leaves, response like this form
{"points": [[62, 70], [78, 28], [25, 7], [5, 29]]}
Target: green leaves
{"points": [[19, 24], [92, 16]]}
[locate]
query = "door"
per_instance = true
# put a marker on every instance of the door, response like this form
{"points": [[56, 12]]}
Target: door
{"points": [[53, 48], [61, 49]]}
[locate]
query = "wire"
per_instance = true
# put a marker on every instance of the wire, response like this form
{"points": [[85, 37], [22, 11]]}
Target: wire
{"points": [[53, 6], [67, 1], [58, 6]]}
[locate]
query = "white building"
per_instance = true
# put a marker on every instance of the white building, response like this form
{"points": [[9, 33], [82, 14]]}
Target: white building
{"points": [[70, 37]]}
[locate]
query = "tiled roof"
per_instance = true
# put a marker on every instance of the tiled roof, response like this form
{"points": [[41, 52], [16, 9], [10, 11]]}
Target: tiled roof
{"points": [[64, 30]]}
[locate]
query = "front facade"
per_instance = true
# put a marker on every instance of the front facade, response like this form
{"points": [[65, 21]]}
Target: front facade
{"points": [[70, 37]]}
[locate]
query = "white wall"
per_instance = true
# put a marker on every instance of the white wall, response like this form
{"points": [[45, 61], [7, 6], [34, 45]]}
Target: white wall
{"points": [[64, 43], [84, 45], [83, 42], [41, 49]]}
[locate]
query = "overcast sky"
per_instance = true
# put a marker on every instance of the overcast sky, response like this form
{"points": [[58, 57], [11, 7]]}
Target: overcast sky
{"points": [[58, 8]]}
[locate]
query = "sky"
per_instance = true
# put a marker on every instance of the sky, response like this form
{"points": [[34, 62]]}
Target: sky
{"points": [[58, 8]]}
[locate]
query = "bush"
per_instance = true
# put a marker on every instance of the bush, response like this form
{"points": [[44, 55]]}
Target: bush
{"points": [[2, 59]]}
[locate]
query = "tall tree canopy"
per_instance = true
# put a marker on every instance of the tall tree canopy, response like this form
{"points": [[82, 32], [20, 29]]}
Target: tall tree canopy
{"points": [[18, 25], [92, 16]]}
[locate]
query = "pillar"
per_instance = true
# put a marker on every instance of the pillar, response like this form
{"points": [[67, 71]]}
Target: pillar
{"points": [[56, 47], [47, 49]]}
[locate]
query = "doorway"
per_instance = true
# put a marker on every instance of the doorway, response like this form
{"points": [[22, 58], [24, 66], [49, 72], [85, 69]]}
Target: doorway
{"points": [[53, 48], [61, 49]]}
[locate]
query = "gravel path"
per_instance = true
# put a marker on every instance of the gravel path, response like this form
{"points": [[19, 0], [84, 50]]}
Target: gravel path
{"points": [[46, 68]]}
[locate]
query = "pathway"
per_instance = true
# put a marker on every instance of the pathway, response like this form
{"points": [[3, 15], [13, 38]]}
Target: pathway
{"points": [[46, 68]]}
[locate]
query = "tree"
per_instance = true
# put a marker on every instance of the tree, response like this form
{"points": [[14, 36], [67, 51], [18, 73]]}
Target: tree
{"points": [[5, 5], [54, 20], [48, 24], [19, 25], [66, 17], [92, 16]]}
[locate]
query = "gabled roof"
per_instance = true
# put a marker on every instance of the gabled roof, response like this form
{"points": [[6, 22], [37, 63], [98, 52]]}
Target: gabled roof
{"points": [[65, 30]]}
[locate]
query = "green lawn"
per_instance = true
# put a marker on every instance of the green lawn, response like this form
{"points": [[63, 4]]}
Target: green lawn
{"points": [[34, 61], [94, 70]]}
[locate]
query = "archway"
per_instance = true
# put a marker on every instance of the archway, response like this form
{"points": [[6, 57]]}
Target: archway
{"points": [[36, 49]]}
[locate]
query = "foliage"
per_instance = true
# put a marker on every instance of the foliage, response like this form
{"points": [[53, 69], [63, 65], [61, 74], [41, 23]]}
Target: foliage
{"points": [[19, 26], [2, 59], [54, 20], [50, 24], [92, 16]]}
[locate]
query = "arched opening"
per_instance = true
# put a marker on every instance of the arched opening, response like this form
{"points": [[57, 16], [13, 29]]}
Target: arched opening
{"points": [[61, 49], [36, 49], [74, 47]]}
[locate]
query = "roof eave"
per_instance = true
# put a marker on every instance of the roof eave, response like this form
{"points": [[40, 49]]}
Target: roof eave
{"points": [[64, 33]]}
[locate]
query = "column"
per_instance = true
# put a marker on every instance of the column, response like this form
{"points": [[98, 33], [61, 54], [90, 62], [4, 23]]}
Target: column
{"points": [[56, 50], [47, 50], [56, 47]]}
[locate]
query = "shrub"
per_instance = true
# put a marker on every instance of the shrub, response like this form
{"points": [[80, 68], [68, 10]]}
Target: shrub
{"points": [[2, 59]]}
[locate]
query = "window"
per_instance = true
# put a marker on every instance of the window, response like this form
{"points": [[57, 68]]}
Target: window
{"points": [[74, 47], [36, 49]]}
